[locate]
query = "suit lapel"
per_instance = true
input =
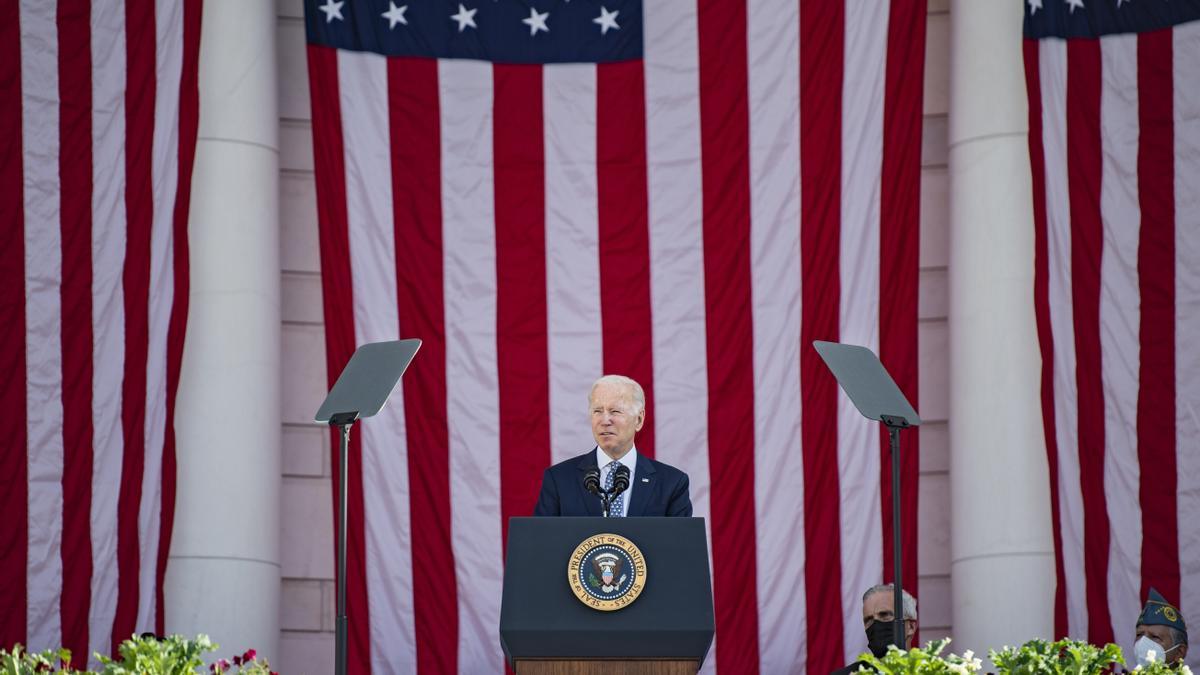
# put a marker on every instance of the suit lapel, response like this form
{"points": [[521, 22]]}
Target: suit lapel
{"points": [[591, 503], [644, 487]]}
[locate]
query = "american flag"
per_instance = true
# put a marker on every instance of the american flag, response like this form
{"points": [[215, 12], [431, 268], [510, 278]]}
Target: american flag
{"points": [[1114, 119], [98, 114], [686, 193]]}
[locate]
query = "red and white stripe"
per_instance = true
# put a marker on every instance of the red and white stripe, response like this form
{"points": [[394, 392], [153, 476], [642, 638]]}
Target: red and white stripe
{"points": [[98, 105], [1114, 144], [472, 388], [775, 281], [1186, 122], [678, 312], [693, 220]]}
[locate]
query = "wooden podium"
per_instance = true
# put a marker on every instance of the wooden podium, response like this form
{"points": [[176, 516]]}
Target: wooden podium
{"points": [[546, 630]]}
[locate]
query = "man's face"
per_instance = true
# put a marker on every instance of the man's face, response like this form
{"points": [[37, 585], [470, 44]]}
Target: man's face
{"points": [[1162, 636], [614, 420], [879, 607]]}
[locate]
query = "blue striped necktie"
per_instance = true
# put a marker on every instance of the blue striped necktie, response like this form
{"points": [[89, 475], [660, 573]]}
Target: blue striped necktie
{"points": [[616, 510]]}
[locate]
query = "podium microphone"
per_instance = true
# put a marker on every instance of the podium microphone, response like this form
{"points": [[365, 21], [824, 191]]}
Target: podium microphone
{"points": [[620, 480], [591, 481]]}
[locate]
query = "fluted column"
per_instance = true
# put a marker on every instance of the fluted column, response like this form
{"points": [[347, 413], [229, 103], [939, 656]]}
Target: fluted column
{"points": [[223, 576], [1002, 564]]}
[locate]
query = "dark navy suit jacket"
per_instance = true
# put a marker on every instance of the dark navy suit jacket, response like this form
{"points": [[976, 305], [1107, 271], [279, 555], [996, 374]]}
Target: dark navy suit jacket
{"points": [[659, 489]]}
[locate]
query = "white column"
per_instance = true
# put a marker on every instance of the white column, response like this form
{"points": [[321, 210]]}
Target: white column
{"points": [[223, 576], [1002, 557]]}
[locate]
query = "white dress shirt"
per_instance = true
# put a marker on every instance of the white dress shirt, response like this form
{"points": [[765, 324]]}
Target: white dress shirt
{"points": [[629, 460]]}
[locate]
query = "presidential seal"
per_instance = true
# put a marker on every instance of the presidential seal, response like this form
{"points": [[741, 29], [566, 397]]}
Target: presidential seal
{"points": [[606, 572]]}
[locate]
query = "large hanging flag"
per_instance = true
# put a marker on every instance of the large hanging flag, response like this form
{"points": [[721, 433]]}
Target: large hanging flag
{"points": [[684, 192], [1114, 115], [98, 114]]}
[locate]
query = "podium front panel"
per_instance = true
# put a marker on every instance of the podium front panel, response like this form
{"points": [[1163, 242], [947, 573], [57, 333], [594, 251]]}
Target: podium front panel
{"points": [[540, 617]]}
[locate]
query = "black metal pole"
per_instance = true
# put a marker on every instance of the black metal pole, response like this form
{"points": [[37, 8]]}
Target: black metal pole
{"points": [[340, 625], [342, 421], [898, 583]]}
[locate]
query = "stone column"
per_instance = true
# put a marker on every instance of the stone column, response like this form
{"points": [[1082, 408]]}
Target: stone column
{"points": [[223, 575], [1002, 556]]}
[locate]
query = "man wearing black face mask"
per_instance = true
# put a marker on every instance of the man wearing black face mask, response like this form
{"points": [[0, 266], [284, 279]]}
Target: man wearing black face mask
{"points": [[878, 621]]}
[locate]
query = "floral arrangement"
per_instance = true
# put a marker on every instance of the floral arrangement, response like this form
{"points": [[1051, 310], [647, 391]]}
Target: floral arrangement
{"points": [[926, 660], [1036, 657], [1064, 657], [20, 662], [148, 655]]}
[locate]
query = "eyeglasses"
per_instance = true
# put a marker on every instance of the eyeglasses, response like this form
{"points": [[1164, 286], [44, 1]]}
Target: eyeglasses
{"points": [[882, 616]]}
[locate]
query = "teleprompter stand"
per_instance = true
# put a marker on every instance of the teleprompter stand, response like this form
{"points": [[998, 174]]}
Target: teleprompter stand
{"points": [[360, 391], [875, 394]]}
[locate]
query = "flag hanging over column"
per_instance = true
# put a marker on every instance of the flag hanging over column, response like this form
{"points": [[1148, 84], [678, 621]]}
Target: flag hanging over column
{"points": [[685, 193]]}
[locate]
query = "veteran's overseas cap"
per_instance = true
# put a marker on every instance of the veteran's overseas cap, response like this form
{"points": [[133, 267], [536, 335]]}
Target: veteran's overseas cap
{"points": [[1159, 612]]}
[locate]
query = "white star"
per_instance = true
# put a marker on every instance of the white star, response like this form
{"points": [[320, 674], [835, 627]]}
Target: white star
{"points": [[536, 21], [395, 15], [608, 20], [1034, 6], [1075, 3], [333, 10], [465, 17]]}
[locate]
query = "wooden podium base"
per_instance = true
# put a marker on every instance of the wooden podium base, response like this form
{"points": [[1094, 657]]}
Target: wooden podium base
{"points": [[605, 667]]}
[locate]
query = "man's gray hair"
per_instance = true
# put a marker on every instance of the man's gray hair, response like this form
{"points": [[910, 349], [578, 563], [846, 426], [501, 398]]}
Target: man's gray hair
{"points": [[638, 396], [909, 602]]}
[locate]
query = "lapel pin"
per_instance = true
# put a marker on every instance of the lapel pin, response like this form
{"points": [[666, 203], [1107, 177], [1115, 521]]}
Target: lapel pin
{"points": [[645, 480]]}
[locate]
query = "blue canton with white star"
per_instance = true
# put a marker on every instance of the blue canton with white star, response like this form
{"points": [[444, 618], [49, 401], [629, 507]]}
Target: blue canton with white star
{"points": [[1096, 18], [499, 31]]}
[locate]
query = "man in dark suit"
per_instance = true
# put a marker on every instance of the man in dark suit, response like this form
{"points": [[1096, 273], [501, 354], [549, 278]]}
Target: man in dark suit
{"points": [[618, 410]]}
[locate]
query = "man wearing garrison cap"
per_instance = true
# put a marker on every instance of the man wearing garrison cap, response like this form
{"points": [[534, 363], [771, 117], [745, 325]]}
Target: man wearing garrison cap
{"points": [[1161, 631]]}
